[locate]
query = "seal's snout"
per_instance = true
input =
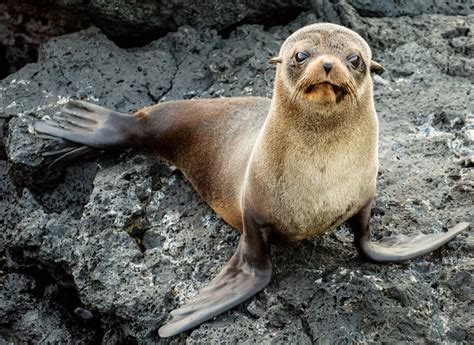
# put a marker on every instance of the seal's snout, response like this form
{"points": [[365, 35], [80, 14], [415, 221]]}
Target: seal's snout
{"points": [[327, 67], [324, 80], [331, 68]]}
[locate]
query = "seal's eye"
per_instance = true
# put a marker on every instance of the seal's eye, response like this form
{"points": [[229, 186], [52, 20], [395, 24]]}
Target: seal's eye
{"points": [[354, 59], [301, 57]]}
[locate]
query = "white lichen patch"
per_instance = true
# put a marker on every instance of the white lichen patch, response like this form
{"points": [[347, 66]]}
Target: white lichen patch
{"points": [[31, 129], [158, 197], [111, 212], [207, 220], [444, 323], [374, 280], [380, 80], [401, 81], [427, 204], [429, 132], [170, 218], [63, 100], [172, 247], [11, 105]]}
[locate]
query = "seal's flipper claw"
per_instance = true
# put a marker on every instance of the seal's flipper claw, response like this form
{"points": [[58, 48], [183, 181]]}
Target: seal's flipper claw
{"points": [[68, 154], [241, 278], [399, 249], [59, 151]]}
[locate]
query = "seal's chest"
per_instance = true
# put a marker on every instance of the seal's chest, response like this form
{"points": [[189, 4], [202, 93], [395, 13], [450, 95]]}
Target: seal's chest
{"points": [[321, 193]]}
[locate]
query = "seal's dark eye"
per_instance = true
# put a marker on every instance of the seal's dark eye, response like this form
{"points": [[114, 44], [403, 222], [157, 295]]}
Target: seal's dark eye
{"points": [[354, 59], [301, 57]]}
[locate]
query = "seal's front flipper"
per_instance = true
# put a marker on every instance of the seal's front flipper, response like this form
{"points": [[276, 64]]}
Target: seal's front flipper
{"points": [[246, 273], [91, 125], [399, 250]]}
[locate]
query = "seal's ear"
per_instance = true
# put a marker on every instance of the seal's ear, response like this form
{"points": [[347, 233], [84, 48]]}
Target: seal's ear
{"points": [[275, 60], [375, 67]]}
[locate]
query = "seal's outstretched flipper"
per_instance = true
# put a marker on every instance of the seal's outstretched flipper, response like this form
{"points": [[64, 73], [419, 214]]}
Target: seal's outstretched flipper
{"points": [[89, 124], [400, 249], [246, 273]]}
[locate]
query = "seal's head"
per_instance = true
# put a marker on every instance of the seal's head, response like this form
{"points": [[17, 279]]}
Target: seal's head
{"points": [[325, 64]]}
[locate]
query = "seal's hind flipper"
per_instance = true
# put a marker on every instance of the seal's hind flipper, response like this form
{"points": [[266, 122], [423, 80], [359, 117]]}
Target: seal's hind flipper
{"points": [[89, 124], [246, 273], [400, 249]]}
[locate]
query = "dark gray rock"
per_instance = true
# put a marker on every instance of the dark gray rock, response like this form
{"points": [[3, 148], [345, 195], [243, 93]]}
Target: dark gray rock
{"points": [[117, 242], [36, 311], [119, 18], [125, 18], [394, 8], [69, 71], [25, 24]]}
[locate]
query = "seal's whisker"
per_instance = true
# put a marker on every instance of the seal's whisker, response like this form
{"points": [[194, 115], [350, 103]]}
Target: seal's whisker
{"points": [[300, 88]]}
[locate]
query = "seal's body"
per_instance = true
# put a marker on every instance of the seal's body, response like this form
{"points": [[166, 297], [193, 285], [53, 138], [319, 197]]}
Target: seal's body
{"points": [[287, 168], [210, 141]]}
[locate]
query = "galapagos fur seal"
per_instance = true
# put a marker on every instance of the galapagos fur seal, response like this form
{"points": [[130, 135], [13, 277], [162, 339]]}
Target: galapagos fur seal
{"points": [[288, 168]]}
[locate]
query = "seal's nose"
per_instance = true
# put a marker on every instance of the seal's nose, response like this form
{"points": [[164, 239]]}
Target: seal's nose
{"points": [[327, 67]]}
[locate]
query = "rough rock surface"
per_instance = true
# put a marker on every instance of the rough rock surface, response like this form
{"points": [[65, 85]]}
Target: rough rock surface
{"points": [[102, 250], [120, 17], [24, 24]]}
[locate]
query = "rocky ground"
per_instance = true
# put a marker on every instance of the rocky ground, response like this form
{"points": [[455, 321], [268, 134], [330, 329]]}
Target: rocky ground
{"points": [[101, 250]]}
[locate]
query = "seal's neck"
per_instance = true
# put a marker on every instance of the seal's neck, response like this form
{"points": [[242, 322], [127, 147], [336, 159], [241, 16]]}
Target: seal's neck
{"points": [[305, 126]]}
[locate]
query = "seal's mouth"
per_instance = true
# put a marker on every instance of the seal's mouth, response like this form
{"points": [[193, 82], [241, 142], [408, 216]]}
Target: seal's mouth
{"points": [[338, 91], [324, 91]]}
